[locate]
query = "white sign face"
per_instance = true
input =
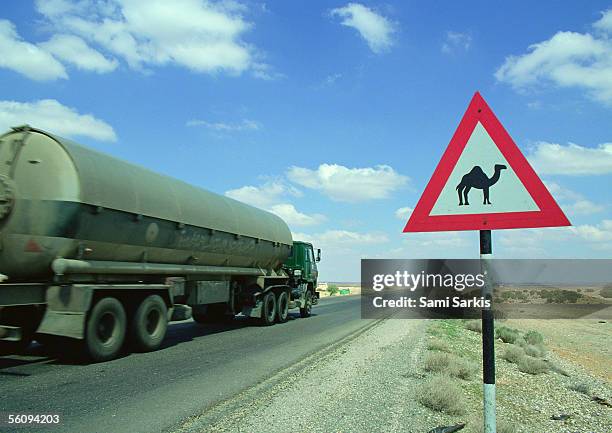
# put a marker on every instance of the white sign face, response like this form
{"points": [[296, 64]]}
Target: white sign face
{"points": [[482, 182]]}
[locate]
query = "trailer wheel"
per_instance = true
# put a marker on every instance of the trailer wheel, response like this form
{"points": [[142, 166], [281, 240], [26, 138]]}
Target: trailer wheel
{"points": [[307, 310], [282, 305], [149, 324], [268, 312], [105, 331]]}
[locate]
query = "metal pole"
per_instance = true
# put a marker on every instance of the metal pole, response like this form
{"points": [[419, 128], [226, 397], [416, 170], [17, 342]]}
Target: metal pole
{"points": [[488, 338]]}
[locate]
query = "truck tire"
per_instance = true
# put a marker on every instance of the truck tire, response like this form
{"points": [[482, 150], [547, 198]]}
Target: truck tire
{"points": [[268, 309], [149, 324], [105, 330], [306, 311], [282, 306]]}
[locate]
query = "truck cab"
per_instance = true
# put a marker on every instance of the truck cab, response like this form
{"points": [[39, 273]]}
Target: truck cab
{"points": [[301, 265]]}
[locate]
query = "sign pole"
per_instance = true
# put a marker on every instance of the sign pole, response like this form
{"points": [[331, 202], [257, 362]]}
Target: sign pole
{"points": [[488, 337]]}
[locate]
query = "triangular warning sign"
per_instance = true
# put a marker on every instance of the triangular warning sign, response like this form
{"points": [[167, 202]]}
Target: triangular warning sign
{"points": [[484, 182]]}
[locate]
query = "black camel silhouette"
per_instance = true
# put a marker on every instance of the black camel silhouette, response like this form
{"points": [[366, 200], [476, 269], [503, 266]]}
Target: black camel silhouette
{"points": [[477, 178]]}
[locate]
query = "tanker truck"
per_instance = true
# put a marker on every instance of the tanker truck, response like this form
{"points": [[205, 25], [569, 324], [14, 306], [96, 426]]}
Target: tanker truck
{"points": [[104, 253]]}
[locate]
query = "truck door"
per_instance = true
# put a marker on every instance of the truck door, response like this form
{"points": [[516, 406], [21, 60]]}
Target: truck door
{"points": [[312, 264]]}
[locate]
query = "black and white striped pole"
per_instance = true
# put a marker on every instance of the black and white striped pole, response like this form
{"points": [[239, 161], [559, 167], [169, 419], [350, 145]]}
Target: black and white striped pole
{"points": [[488, 337]]}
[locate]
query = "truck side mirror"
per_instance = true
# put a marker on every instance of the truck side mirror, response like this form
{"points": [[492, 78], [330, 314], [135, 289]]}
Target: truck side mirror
{"points": [[318, 259]]}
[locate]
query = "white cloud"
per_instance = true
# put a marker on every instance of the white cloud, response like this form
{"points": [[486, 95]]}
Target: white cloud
{"points": [[584, 207], [572, 159], [343, 239], [49, 114], [349, 184], [456, 41], [342, 251], [403, 213], [374, 28], [74, 50], [572, 202], [560, 193], [529, 243], [604, 24], [293, 217], [272, 196], [433, 245], [244, 125], [568, 59], [331, 79], [557, 241], [599, 234], [263, 196], [26, 58], [438, 239], [202, 36]]}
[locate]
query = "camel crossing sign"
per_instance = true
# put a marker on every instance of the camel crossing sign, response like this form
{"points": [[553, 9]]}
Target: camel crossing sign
{"points": [[484, 182]]}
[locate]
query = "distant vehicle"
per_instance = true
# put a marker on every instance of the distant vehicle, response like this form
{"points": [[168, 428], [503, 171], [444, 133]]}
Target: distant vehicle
{"points": [[98, 250]]}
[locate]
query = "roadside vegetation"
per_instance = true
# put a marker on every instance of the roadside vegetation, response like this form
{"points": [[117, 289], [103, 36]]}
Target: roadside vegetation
{"points": [[587, 295], [441, 394], [474, 325], [332, 289], [581, 387], [606, 292], [537, 390]]}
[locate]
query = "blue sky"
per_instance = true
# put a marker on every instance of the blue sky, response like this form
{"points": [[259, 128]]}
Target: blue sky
{"points": [[331, 114]]}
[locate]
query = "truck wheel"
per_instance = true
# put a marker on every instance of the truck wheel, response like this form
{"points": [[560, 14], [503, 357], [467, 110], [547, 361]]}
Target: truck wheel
{"points": [[268, 311], [282, 305], [307, 310], [105, 331], [149, 324]]}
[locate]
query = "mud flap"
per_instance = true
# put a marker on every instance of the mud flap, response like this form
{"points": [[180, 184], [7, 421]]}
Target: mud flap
{"points": [[66, 312]]}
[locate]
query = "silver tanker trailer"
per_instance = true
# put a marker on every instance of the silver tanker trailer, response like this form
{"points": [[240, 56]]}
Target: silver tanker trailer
{"points": [[96, 250]]}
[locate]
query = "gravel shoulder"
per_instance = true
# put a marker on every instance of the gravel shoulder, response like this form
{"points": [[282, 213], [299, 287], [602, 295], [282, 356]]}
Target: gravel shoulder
{"points": [[370, 382], [362, 385]]}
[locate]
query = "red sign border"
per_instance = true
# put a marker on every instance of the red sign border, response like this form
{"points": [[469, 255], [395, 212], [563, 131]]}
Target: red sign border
{"points": [[549, 215]]}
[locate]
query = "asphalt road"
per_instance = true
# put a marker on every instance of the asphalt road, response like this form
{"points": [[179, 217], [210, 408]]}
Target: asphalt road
{"points": [[197, 367]]}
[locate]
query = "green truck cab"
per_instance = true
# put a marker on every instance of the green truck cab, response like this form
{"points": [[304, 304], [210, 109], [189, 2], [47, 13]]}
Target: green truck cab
{"points": [[301, 266], [302, 263]]}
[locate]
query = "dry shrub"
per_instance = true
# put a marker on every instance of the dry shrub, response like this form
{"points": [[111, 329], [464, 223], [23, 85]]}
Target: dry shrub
{"points": [[581, 387], [531, 365], [438, 362], [534, 337], [438, 345], [558, 369], [513, 354], [535, 351], [463, 369], [507, 335], [474, 325], [606, 292], [442, 394]]}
